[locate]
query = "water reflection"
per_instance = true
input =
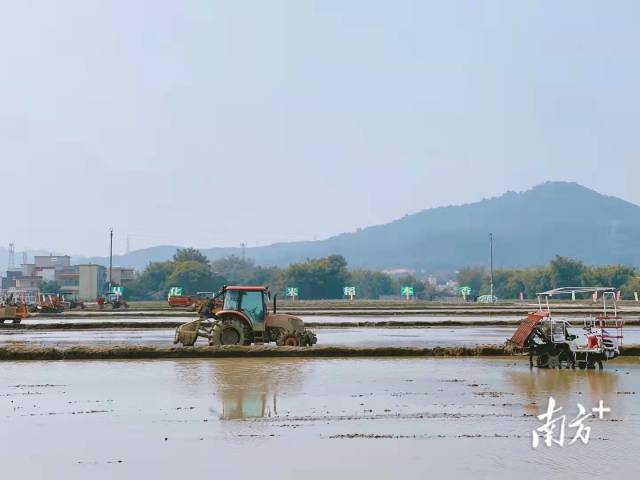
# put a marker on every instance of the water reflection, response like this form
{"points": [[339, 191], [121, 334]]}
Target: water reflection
{"points": [[564, 385], [249, 388]]}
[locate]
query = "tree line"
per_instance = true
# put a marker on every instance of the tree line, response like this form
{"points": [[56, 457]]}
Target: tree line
{"points": [[321, 278], [509, 283], [325, 278]]}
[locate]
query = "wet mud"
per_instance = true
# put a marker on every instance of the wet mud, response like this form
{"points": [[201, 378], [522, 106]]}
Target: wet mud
{"points": [[36, 352]]}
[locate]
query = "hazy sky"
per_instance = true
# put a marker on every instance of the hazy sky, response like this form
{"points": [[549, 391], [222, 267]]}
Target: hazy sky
{"points": [[210, 123]]}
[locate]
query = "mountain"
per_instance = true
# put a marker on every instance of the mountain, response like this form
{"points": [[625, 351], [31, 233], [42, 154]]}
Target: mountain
{"points": [[529, 228], [138, 259]]}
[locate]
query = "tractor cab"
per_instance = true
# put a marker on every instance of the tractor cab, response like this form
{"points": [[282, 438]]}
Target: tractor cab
{"points": [[252, 301], [112, 298]]}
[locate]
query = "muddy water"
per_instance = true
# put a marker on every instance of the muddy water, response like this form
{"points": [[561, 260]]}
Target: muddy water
{"points": [[110, 319], [354, 337], [288, 418]]}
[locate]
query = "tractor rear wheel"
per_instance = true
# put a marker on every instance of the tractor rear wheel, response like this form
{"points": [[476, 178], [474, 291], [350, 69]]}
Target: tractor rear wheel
{"points": [[228, 332]]}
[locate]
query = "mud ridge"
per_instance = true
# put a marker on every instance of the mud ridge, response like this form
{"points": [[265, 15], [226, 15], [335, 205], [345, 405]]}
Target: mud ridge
{"points": [[23, 352]]}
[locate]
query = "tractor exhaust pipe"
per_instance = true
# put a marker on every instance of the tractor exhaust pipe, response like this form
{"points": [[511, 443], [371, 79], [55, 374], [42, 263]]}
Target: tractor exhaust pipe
{"points": [[275, 309]]}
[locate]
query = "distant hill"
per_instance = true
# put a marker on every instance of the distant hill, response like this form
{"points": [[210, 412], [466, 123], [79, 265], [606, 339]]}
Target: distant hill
{"points": [[529, 229]]}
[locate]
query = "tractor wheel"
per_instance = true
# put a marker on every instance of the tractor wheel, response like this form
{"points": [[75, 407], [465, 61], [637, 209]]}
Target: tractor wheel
{"points": [[554, 361], [288, 340], [228, 332], [309, 339], [546, 360]]}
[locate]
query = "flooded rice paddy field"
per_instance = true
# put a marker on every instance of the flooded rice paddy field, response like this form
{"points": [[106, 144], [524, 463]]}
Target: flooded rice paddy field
{"points": [[353, 337], [309, 418]]}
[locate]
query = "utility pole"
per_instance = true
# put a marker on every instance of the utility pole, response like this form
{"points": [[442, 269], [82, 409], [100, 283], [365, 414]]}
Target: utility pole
{"points": [[491, 262], [11, 262], [110, 255]]}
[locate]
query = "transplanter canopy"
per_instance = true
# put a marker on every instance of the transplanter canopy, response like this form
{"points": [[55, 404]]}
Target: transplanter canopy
{"points": [[570, 290]]}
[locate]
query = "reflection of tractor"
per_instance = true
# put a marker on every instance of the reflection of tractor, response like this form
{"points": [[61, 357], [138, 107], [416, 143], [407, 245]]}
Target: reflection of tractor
{"points": [[555, 343], [239, 316], [249, 388], [13, 309], [114, 300]]}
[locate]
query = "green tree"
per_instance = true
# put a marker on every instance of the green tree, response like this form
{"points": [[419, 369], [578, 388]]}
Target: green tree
{"points": [[566, 272], [322, 278], [472, 276], [370, 284], [194, 276], [154, 278], [189, 254], [608, 276], [507, 283], [419, 287], [244, 272], [632, 285]]}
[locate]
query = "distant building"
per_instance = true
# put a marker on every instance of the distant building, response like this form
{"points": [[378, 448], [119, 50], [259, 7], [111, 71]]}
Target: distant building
{"points": [[31, 282], [122, 275], [69, 281], [52, 261], [91, 279], [9, 280], [84, 282], [28, 269], [48, 274]]}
